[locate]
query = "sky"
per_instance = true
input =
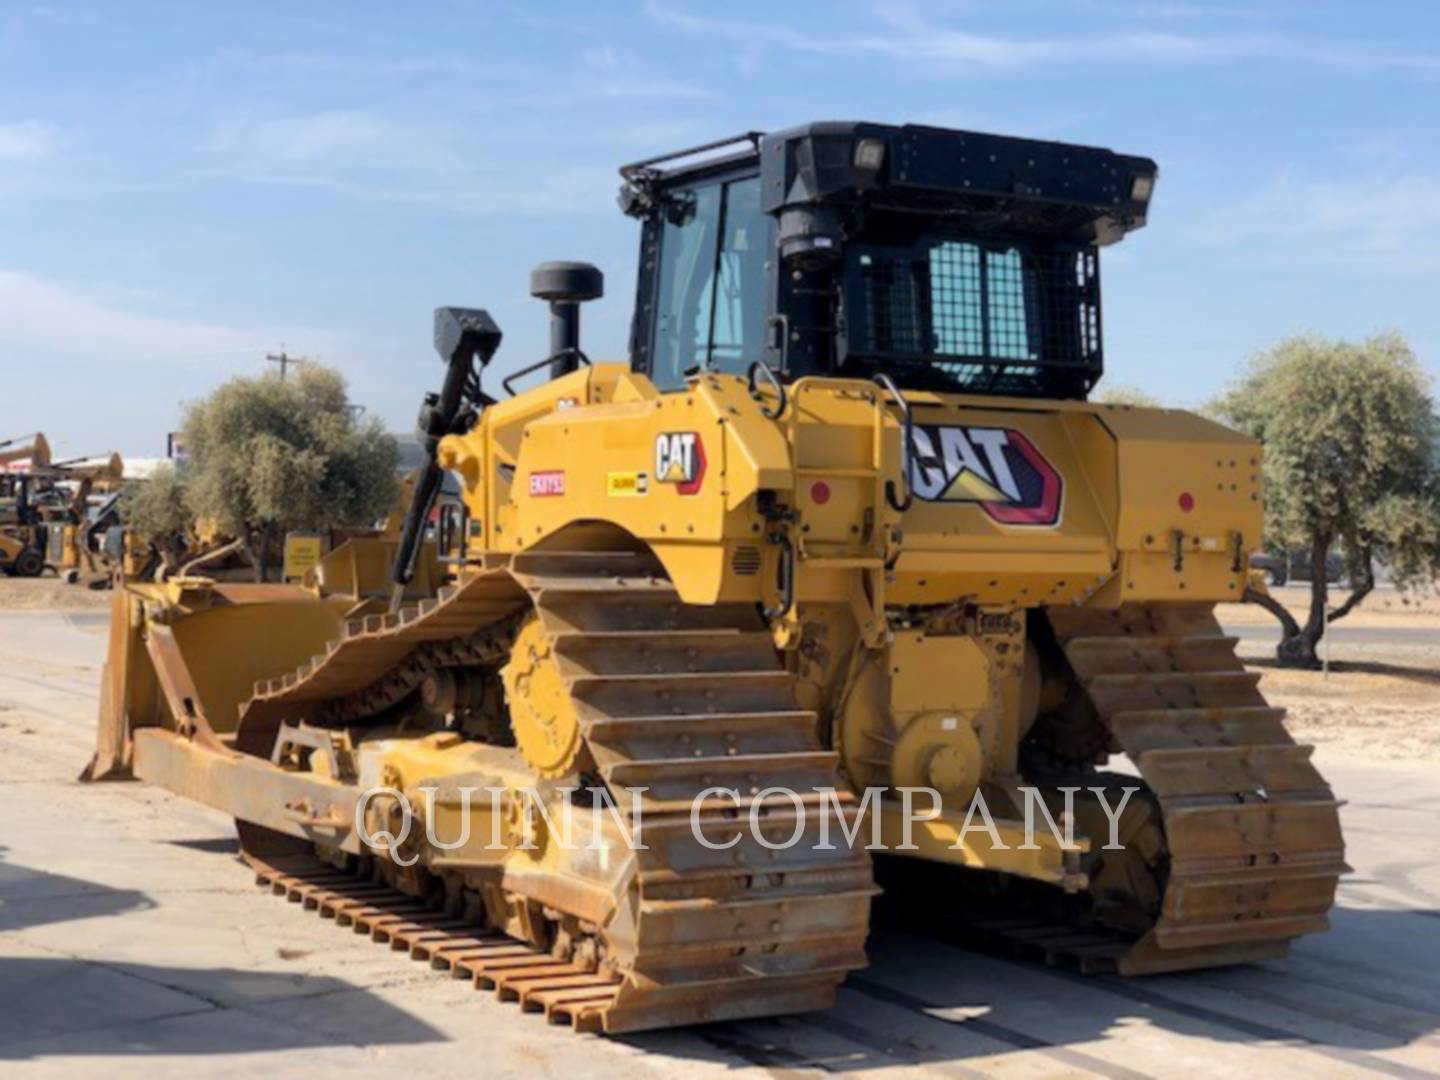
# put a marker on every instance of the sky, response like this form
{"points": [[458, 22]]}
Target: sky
{"points": [[187, 187]]}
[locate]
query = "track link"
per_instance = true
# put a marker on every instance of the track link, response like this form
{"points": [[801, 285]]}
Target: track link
{"points": [[1253, 850], [536, 980]]}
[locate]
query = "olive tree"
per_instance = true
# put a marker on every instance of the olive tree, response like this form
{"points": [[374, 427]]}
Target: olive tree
{"points": [[270, 454], [1120, 394], [1349, 460], [154, 511]]}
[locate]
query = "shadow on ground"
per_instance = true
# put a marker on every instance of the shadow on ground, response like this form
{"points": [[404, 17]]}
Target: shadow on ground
{"points": [[1427, 676], [930, 1000], [211, 845], [933, 999], [52, 1004], [30, 897], [63, 1006]]}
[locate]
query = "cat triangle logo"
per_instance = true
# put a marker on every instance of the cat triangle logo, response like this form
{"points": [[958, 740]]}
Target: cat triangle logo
{"points": [[680, 460], [969, 487], [998, 469]]}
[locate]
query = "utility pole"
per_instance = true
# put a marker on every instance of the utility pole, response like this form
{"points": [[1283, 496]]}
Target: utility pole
{"points": [[284, 360]]}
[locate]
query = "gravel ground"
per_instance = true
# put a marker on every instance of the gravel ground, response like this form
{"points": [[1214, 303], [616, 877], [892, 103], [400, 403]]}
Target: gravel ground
{"points": [[48, 593]]}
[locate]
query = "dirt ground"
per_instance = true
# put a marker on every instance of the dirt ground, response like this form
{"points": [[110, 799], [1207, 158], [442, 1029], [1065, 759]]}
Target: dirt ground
{"points": [[1386, 711], [48, 593], [1382, 696]]}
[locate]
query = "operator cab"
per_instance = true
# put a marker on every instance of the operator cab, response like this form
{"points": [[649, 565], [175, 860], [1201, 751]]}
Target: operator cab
{"points": [[949, 260]]}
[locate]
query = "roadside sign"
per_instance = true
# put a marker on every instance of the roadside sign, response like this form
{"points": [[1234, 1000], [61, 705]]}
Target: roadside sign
{"points": [[302, 552]]}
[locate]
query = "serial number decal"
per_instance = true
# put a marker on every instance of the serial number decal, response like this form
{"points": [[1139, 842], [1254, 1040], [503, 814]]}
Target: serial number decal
{"points": [[543, 484]]}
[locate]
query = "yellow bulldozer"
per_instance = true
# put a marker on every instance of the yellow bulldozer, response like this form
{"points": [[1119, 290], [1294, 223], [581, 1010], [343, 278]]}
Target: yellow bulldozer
{"points": [[839, 576]]}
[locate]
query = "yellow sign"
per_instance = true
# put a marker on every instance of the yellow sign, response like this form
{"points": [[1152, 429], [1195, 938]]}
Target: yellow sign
{"points": [[624, 484], [302, 552]]}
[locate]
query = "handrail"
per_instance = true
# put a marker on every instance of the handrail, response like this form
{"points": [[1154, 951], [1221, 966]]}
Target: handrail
{"points": [[907, 448], [785, 576], [761, 367], [576, 353]]}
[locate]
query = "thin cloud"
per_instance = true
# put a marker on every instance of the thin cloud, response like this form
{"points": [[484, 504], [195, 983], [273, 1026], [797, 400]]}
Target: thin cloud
{"points": [[916, 40], [1385, 222], [28, 140], [442, 166], [43, 317]]}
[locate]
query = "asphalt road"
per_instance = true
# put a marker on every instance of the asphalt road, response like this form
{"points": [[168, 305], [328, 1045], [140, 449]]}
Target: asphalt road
{"points": [[133, 944], [1343, 634]]}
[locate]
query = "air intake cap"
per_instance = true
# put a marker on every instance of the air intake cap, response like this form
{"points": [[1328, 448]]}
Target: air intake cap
{"points": [[574, 282]]}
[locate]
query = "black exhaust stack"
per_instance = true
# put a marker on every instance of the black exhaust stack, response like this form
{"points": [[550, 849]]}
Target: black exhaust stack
{"points": [[566, 285]]}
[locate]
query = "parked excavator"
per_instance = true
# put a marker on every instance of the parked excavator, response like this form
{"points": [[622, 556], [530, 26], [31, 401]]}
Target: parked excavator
{"points": [[844, 531]]}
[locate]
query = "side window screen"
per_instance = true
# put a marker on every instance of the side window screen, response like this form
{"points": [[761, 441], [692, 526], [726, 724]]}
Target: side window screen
{"points": [[710, 305]]}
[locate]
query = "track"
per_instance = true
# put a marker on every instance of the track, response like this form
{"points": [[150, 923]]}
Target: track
{"points": [[1252, 847], [516, 972], [670, 699], [674, 699]]}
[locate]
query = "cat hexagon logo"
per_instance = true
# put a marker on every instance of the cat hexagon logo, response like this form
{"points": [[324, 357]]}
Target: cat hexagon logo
{"points": [[997, 468], [680, 460]]}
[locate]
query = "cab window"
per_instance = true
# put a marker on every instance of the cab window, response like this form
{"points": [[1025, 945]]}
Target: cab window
{"points": [[710, 304]]}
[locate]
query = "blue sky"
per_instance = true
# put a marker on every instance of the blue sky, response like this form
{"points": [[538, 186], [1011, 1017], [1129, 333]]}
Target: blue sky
{"points": [[186, 186]]}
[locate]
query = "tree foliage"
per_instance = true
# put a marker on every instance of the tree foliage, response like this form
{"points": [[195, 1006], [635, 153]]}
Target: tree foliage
{"points": [[271, 454], [1120, 394], [154, 509], [1349, 438]]}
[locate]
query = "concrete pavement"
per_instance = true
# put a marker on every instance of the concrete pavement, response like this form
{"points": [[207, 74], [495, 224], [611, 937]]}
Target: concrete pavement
{"points": [[133, 944]]}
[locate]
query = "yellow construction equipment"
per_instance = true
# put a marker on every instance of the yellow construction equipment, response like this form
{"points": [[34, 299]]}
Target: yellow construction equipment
{"points": [[46, 512], [81, 547], [22, 537], [842, 547]]}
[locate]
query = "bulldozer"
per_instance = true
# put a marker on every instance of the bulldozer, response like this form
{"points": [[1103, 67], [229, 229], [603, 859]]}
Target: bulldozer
{"points": [[841, 574]]}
